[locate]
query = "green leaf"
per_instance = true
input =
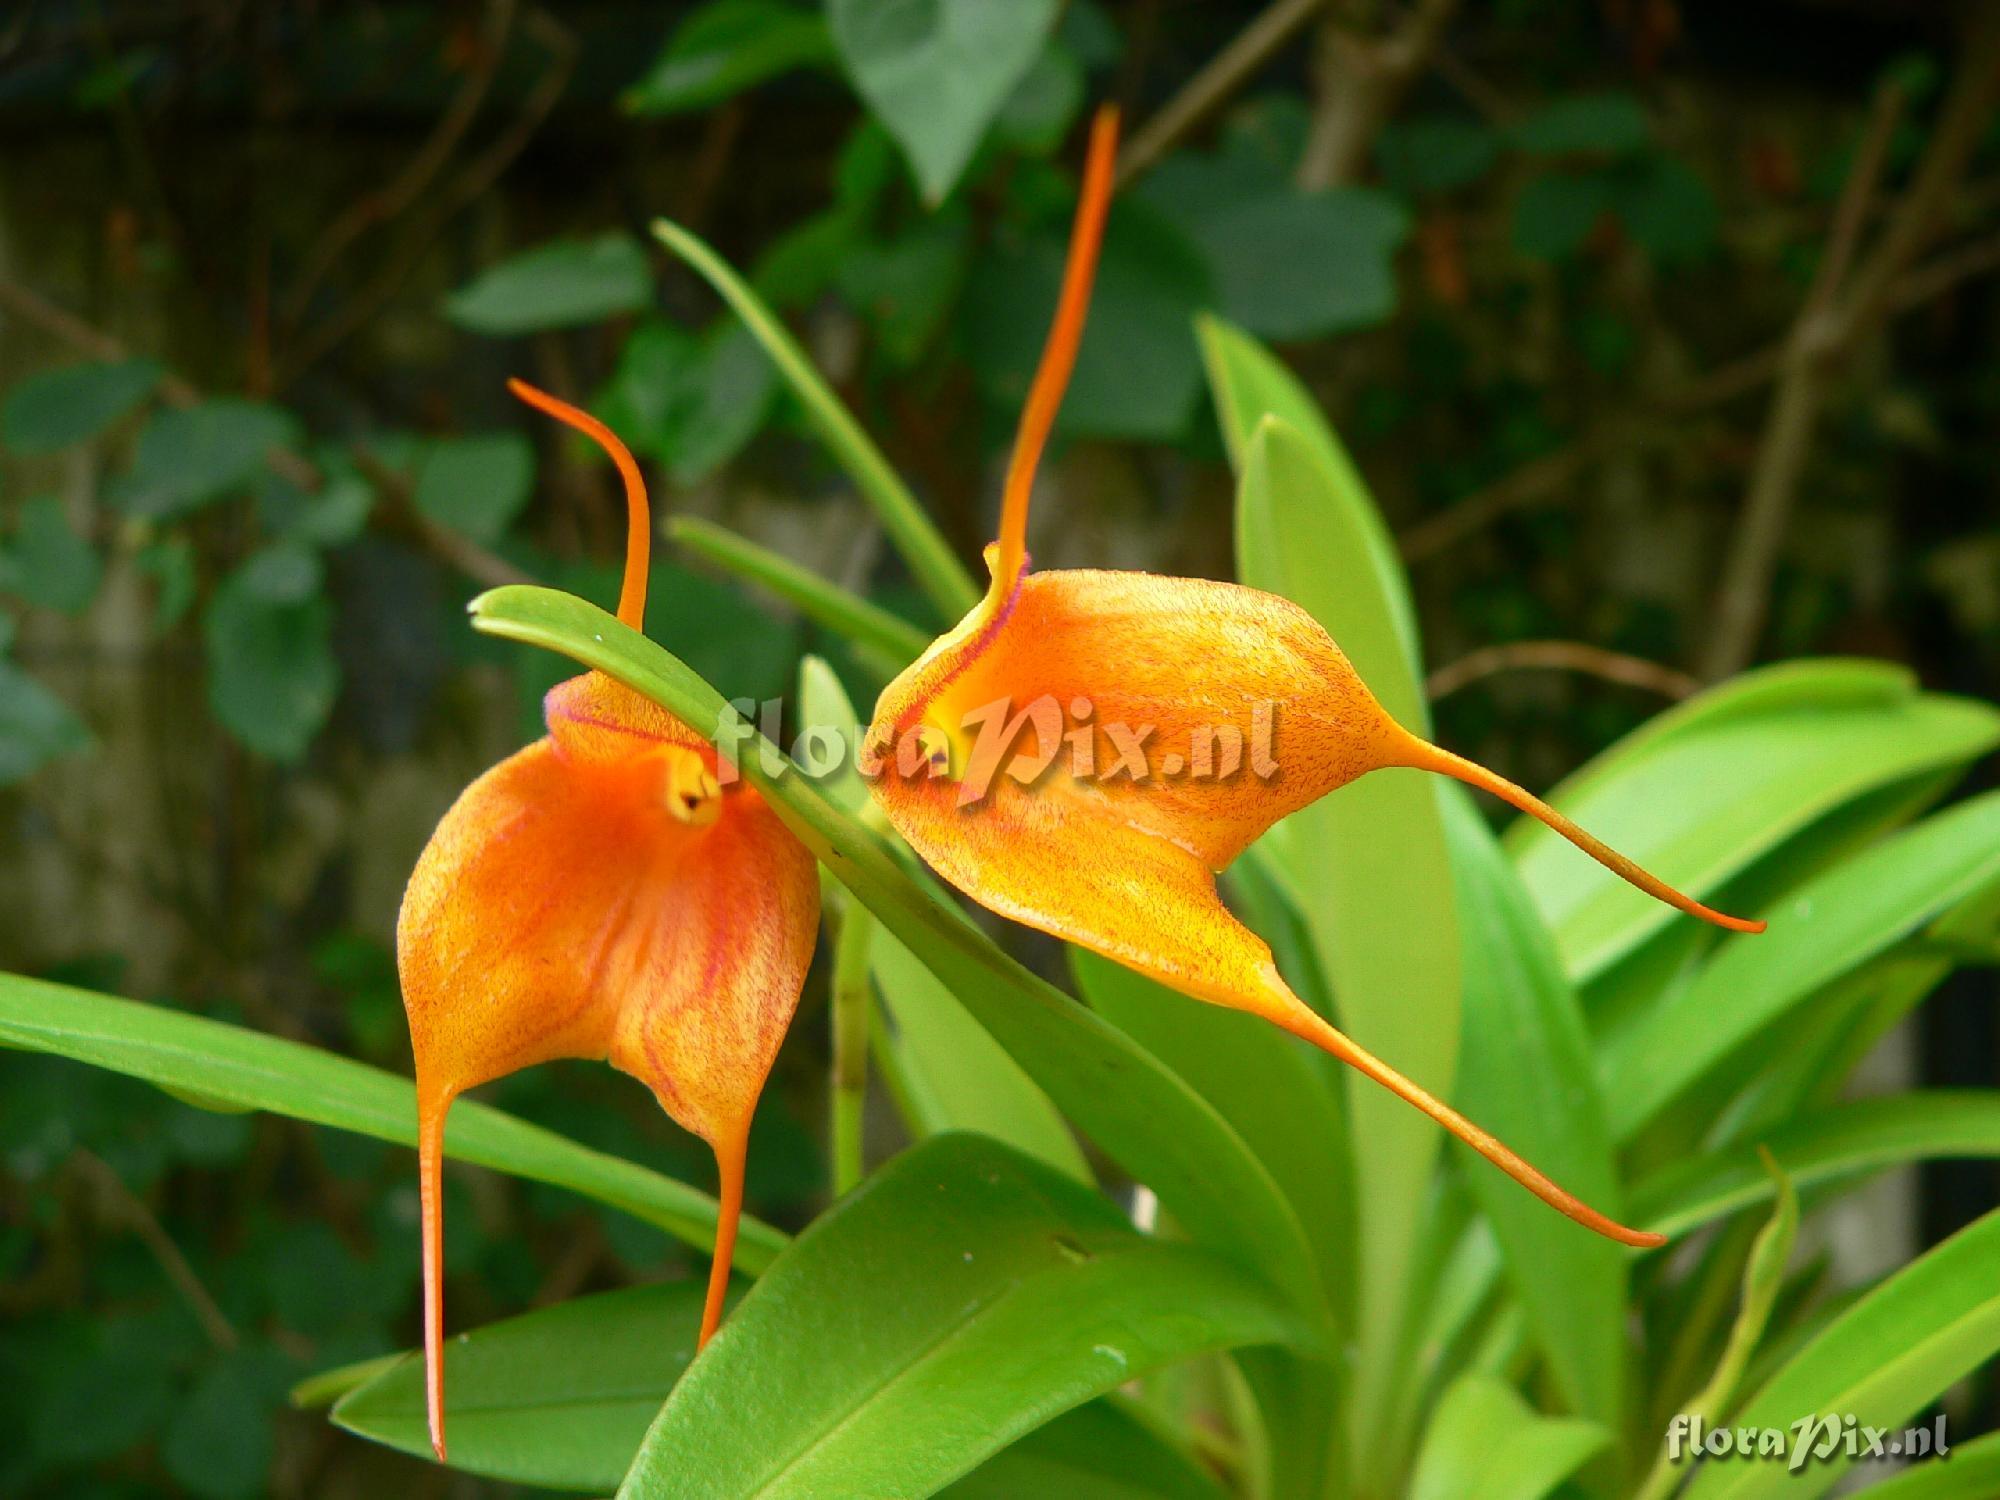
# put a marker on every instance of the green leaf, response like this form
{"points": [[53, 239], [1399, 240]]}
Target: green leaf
{"points": [[564, 284], [36, 726], [189, 456], [476, 485], [272, 678], [1526, 1074], [1282, 1096], [1611, 123], [1827, 927], [1434, 154], [724, 48], [1706, 789], [562, 1397], [905, 286], [57, 409], [169, 562], [936, 72], [1121, 1097], [692, 402], [559, 1397], [1556, 212], [217, 1440], [950, 1075], [1250, 383], [936, 568], [1881, 1361], [193, 1056], [892, 643], [48, 564], [1828, 1146], [1973, 1473], [1373, 877], [961, 1297], [1486, 1443]]}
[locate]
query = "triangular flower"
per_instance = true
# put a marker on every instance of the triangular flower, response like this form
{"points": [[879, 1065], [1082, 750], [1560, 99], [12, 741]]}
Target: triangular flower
{"points": [[1086, 749]]}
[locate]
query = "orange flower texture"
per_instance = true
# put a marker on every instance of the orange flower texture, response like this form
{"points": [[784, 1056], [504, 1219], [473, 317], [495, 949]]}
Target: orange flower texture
{"points": [[601, 894], [1124, 865]]}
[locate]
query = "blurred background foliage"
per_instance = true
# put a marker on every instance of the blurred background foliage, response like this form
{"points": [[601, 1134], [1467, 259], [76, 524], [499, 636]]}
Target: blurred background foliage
{"points": [[1660, 328]]}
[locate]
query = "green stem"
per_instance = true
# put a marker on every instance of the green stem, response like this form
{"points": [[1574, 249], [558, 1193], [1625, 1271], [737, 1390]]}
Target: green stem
{"points": [[852, 997], [935, 566]]}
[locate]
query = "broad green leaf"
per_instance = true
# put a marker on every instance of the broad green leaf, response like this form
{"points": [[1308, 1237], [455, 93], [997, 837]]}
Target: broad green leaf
{"points": [[192, 1056], [1149, 1121], [1486, 1443], [1271, 1087], [189, 456], [891, 642], [57, 409], [1556, 213], [1702, 793], [564, 284], [1881, 1361], [950, 1075], [559, 1397], [724, 48], [930, 558], [1825, 928], [272, 677], [46, 563], [1972, 1472], [936, 72], [476, 485], [1525, 1073], [691, 401], [1422, 155], [1370, 866], [1828, 1146], [961, 1297], [562, 1396], [217, 1439], [1249, 383], [905, 285], [36, 726]]}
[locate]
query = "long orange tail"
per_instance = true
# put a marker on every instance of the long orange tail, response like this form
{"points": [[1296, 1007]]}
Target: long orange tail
{"points": [[1307, 1024], [729, 1157], [432, 1107], [1428, 757]]}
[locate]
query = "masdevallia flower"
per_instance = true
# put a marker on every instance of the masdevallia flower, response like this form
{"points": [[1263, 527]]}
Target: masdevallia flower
{"points": [[603, 894], [1123, 861]]}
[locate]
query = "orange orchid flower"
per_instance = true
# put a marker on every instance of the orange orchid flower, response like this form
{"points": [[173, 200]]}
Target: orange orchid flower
{"points": [[1094, 666], [601, 894]]}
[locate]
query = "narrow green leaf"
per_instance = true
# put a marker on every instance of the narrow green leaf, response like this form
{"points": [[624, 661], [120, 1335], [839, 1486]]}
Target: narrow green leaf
{"points": [[1250, 383], [950, 1075], [194, 1056], [564, 284], [1971, 1472], [963, 1296], [1718, 782], [1136, 1110], [1526, 1074], [931, 561], [1486, 1443], [1881, 1361], [890, 642], [1828, 1146], [936, 72], [724, 48], [1370, 866], [56, 409], [1827, 927]]}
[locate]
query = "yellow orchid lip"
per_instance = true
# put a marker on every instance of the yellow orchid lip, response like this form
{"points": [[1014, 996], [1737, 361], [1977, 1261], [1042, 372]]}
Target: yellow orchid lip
{"points": [[602, 894], [1125, 865]]}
